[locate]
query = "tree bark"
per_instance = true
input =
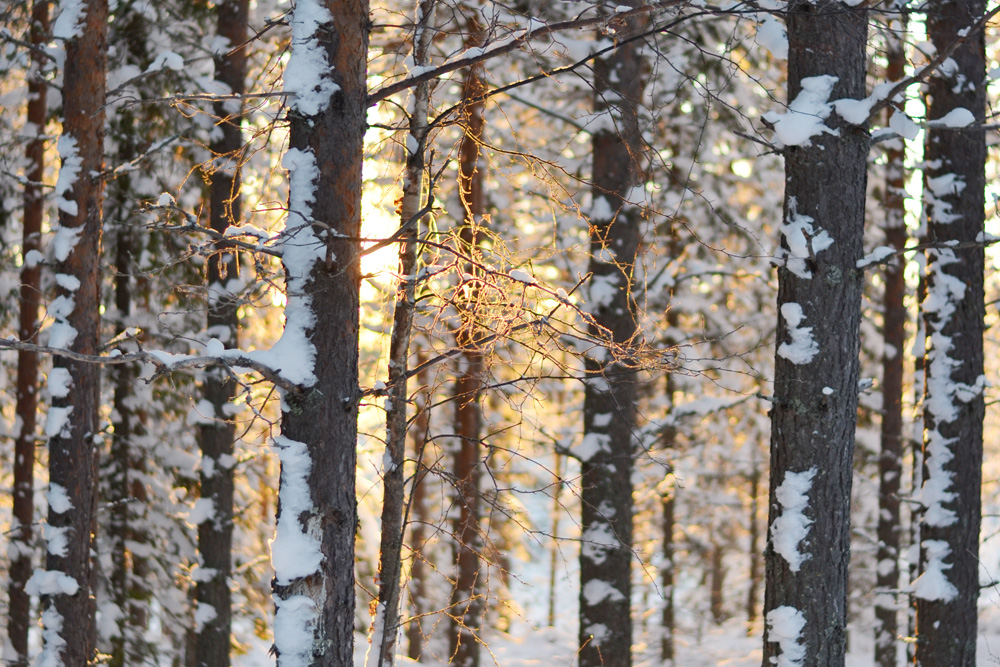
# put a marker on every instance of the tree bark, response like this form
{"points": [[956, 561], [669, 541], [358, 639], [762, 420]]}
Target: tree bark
{"points": [[73, 423], [215, 439], [894, 337], [313, 550], [605, 630], [385, 624], [22, 532], [816, 366], [467, 599], [419, 567], [126, 489], [948, 588]]}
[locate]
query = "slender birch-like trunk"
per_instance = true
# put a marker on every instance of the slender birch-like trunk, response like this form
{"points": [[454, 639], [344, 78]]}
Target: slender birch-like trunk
{"points": [[385, 624]]}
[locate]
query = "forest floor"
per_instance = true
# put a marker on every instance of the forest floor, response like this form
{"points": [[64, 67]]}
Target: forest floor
{"points": [[727, 645]]}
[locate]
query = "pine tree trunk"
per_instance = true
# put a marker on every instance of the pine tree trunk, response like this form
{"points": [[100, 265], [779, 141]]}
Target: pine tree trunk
{"points": [[894, 337], [948, 588], [468, 598], [816, 367], [313, 550], [73, 422], [125, 488], [22, 532], [215, 439], [605, 631]]}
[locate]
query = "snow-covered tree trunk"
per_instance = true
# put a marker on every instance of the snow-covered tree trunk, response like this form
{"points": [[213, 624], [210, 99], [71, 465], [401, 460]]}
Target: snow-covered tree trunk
{"points": [[313, 549], [468, 595], [815, 401], [128, 580], [72, 424], [385, 625], [22, 532], [213, 617], [605, 630], [947, 590], [890, 526]]}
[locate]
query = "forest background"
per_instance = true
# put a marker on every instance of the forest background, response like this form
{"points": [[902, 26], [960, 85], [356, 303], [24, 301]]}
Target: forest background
{"points": [[460, 330]]}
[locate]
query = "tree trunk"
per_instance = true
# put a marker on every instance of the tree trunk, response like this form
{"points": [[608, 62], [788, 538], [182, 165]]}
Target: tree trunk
{"points": [[816, 366], [313, 550], [468, 601], [605, 630], [419, 567], [73, 424], [22, 532], [948, 587], [216, 434], [385, 624], [894, 337], [755, 562], [125, 488]]}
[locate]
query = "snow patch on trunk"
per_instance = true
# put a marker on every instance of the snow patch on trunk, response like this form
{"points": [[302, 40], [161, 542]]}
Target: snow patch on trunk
{"points": [[789, 529], [784, 626]]}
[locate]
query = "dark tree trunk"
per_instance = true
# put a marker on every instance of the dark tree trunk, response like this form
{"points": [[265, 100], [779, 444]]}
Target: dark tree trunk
{"points": [[317, 516], [127, 497], [605, 630], [27, 361], [75, 387], [816, 367], [756, 576], [22, 534], [668, 504], [215, 536], [894, 337], [468, 601], [948, 588]]}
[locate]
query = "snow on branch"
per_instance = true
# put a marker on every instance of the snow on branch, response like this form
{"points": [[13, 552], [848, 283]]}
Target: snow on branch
{"points": [[234, 361]]}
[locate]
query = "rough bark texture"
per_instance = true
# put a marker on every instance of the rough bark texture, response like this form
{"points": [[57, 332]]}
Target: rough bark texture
{"points": [[72, 459], [605, 632], [468, 601], [215, 537], [386, 622], [127, 498], [894, 337], [953, 317], [815, 400], [323, 416], [22, 533]]}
